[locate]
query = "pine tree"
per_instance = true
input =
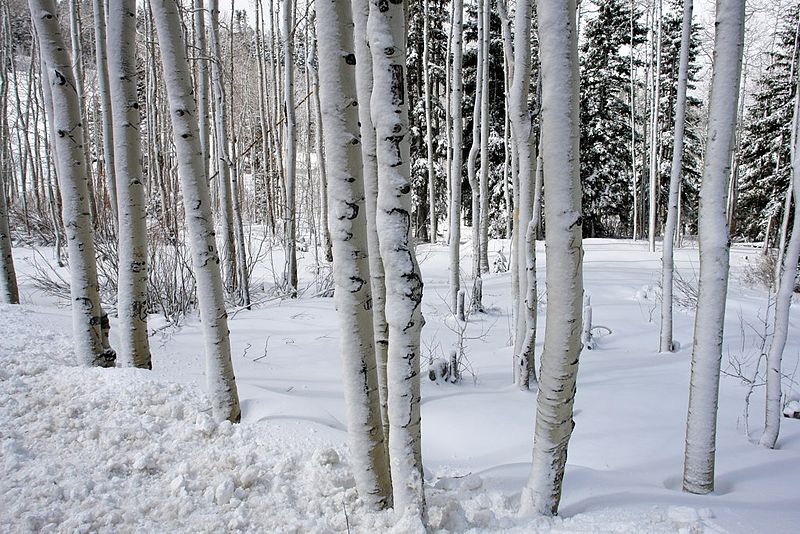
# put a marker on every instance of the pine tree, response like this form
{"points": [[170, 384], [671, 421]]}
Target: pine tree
{"points": [[605, 119]]}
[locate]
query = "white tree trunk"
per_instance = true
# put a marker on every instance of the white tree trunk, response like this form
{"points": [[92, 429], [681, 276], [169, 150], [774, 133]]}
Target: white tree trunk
{"points": [[558, 41], [290, 144], [101, 59], [654, 163], [320, 154], [201, 80], [339, 104], [370, 161], [87, 314], [483, 226], [667, 264], [522, 129], [134, 348], [508, 67], [197, 205], [228, 248], [701, 422], [387, 37], [472, 158], [457, 90], [428, 124], [9, 291], [634, 170], [783, 301]]}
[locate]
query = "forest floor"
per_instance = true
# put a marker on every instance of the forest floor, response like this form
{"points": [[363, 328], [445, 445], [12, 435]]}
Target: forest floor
{"points": [[128, 450]]}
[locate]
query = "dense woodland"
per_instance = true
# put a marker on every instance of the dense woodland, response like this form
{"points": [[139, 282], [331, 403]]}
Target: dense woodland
{"points": [[166, 148]]}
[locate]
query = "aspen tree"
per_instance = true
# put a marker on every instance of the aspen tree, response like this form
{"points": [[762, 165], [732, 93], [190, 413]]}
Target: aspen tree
{"points": [[201, 79], [655, 107], [386, 32], [134, 348], [428, 125], [701, 421], [457, 90], [370, 162], [522, 130], [483, 226], [228, 248], [320, 155], [101, 60], [558, 42], [472, 156], [667, 264], [290, 144], [67, 130], [339, 105], [197, 205], [77, 73], [783, 302], [9, 292]]}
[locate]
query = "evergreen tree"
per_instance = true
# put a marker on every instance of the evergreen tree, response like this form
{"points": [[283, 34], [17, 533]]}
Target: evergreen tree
{"points": [[605, 118], [765, 155]]}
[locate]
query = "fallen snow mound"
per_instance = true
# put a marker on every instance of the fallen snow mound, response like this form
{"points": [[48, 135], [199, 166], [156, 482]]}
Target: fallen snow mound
{"points": [[117, 450]]}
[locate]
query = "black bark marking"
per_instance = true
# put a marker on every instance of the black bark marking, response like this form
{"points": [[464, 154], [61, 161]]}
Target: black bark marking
{"points": [[358, 283], [394, 145], [398, 84], [383, 6], [350, 59]]}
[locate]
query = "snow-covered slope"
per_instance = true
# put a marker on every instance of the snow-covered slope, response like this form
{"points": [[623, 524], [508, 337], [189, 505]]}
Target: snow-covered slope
{"points": [[129, 450]]}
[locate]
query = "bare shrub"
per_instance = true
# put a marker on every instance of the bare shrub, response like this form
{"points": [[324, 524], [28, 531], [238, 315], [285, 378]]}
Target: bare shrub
{"points": [[760, 270]]}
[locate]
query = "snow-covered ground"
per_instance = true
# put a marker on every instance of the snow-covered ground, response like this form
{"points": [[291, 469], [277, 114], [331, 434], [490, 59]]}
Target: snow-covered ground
{"points": [[131, 450]]}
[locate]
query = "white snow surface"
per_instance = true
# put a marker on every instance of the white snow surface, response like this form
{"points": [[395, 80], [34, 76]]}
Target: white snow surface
{"points": [[126, 450]]}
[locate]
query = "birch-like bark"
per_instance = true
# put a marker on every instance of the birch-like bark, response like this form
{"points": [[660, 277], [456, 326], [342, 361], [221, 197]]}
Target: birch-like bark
{"points": [[522, 130], [228, 248], [701, 422], [448, 119], [338, 98], [526, 373], [68, 134], [386, 31], [655, 109], [472, 158], [428, 124], [101, 59], [77, 73], [558, 42], [508, 68], [9, 291], [320, 153], [201, 79], [290, 144], [197, 205], [134, 348], [634, 170], [483, 226], [370, 161], [457, 136], [667, 263], [783, 301]]}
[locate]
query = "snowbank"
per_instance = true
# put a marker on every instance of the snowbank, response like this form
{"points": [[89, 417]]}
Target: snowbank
{"points": [[117, 450]]}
